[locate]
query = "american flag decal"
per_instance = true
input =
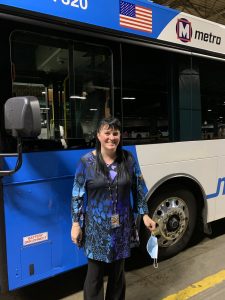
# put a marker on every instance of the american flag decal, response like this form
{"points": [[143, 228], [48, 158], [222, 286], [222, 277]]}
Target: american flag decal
{"points": [[135, 16]]}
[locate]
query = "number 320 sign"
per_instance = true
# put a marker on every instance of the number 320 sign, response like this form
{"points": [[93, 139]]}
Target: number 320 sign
{"points": [[83, 4]]}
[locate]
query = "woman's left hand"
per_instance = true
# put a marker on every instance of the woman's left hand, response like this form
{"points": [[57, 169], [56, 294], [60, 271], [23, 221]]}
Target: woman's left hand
{"points": [[149, 223]]}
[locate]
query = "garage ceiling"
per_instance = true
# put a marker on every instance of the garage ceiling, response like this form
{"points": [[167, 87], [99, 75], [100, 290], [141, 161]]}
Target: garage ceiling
{"points": [[213, 10]]}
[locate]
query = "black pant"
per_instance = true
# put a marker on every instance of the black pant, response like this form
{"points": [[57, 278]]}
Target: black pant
{"points": [[93, 286]]}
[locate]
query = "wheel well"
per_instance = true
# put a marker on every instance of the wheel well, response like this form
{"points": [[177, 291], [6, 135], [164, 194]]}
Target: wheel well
{"points": [[189, 184]]}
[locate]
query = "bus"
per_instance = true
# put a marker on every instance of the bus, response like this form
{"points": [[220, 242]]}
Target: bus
{"points": [[81, 60]]}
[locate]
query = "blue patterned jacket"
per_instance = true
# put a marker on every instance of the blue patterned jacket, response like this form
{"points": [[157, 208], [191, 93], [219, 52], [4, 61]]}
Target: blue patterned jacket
{"points": [[92, 207]]}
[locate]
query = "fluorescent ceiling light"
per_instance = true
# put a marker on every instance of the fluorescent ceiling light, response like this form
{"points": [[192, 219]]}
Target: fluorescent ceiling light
{"points": [[129, 98], [78, 97]]}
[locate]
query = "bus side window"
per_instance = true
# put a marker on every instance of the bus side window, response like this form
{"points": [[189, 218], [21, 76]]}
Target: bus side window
{"points": [[212, 94], [145, 98], [73, 97]]}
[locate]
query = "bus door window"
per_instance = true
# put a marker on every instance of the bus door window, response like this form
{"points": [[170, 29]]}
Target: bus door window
{"points": [[90, 99], [73, 82], [40, 68]]}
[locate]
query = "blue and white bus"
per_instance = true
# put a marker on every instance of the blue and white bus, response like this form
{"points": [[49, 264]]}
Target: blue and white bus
{"points": [[86, 59]]}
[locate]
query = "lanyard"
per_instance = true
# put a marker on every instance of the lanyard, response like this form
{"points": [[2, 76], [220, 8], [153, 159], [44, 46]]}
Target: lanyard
{"points": [[111, 188]]}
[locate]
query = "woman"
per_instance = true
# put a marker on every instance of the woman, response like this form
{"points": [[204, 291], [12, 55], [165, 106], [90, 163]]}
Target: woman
{"points": [[102, 214]]}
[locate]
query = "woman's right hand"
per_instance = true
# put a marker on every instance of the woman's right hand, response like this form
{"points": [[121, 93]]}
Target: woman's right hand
{"points": [[149, 223], [76, 234]]}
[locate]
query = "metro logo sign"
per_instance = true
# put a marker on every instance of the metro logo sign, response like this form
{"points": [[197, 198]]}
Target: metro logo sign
{"points": [[184, 30], [186, 34]]}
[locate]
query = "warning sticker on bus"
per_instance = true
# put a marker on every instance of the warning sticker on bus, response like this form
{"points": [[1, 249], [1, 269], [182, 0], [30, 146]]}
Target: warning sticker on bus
{"points": [[35, 238]]}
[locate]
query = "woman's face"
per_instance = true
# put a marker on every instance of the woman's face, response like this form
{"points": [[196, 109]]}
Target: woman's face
{"points": [[109, 138]]}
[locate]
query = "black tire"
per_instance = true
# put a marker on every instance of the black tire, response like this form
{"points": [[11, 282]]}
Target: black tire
{"points": [[178, 204]]}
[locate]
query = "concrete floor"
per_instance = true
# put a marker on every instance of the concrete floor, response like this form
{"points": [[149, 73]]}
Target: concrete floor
{"points": [[175, 274]]}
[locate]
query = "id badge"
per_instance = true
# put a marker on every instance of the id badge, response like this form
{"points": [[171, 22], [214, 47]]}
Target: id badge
{"points": [[115, 221]]}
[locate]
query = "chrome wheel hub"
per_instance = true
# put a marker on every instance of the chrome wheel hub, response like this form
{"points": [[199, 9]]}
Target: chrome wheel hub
{"points": [[172, 217]]}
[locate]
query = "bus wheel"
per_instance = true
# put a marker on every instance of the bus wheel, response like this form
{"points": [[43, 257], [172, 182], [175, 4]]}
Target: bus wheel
{"points": [[174, 210]]}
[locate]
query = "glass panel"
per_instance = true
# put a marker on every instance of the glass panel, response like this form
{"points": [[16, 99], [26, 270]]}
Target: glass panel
{"points": [[40, 68], [145, 95], [90, 99], [212, 83], [72, 82], [186, 99]]}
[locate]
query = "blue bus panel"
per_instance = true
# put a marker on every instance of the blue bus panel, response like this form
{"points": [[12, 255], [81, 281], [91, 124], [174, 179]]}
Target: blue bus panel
{"points": [[107, 14], [38, 218]]}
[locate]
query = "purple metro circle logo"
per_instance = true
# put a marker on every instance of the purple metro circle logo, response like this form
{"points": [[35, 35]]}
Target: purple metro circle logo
{"points": [[184, 30]]}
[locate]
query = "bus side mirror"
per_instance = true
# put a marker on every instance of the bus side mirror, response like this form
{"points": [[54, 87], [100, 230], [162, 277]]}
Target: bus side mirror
{"points": [[23, 119], [22, 116]]}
